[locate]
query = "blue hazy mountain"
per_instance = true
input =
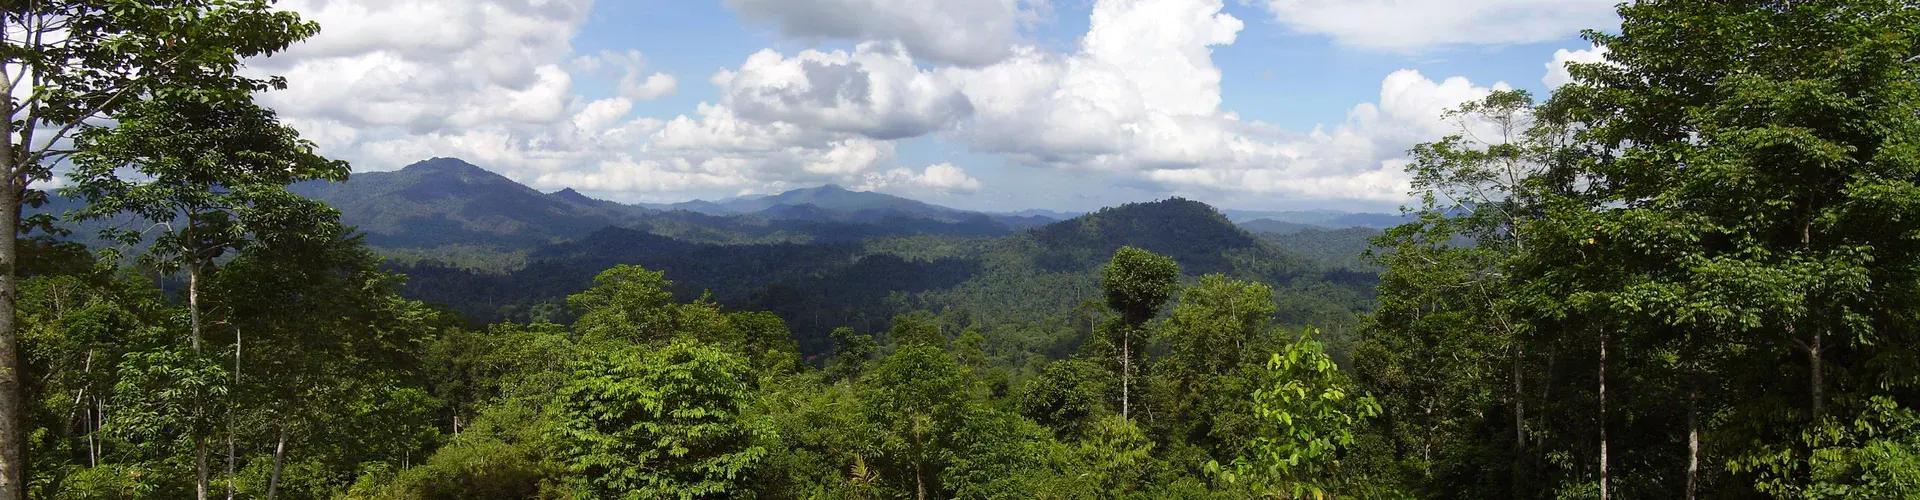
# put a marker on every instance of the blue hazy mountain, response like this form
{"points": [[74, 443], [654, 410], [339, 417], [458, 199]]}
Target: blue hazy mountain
{"points": [[447, 203]]}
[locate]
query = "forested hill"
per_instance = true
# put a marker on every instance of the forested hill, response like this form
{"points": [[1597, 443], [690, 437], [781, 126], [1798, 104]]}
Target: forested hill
{"points": [[1030, 277], [451, 210], [830, 197], [446, 201]]}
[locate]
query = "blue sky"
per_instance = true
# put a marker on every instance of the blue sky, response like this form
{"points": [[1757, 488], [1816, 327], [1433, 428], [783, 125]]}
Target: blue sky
{"points": [[978, 104]]}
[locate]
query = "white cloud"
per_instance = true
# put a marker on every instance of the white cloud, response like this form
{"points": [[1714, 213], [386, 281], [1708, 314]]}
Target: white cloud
{"points": [[1142, 89], [488, 81], [957, 31], [376, 65], [634, 82], [1361, 159], [1557, 68], [493, 82], [1139, 100], [942, 177], [874, 91], [1417, 25], [722, 141], [656, 86], [1142, 99], [599, 115]]}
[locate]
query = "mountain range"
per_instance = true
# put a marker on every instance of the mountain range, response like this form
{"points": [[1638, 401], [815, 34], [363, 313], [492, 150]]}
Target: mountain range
{"points": [[824, 257], [993, 281], [442, 204], [446, 206]]}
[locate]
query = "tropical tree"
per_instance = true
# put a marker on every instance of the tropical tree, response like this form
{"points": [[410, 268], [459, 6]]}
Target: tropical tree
{"points": [[1752, 168], [919, 400], [850, 352], [67, 64], [1069, 396], [1309, 415], [626, 302], [661, 424], [1137, 283]]}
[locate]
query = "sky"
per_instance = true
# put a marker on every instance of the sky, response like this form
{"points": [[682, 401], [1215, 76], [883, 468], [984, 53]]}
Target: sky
{"points": [[994, 105]]}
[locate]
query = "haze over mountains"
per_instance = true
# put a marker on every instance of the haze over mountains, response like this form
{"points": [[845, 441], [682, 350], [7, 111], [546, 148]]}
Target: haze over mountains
{"points": [[822, 257], [991, 280], [445, 203]]}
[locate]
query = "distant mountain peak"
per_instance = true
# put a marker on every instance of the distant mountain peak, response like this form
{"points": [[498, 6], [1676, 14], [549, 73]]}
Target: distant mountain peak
{"points": [[448, 165], [1193, 233]]}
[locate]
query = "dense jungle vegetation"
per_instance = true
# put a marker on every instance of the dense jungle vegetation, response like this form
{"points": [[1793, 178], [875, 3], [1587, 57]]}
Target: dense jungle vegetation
{"points": [[1692, 273]]}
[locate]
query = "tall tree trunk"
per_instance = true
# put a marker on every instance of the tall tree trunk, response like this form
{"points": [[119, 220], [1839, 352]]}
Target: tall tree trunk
{"points": [[1519, 422], [1815, 353], [232, 455], [99, 422], [1815, 348], [13, 397], [84, 402], [919, 476], [230, 458], [193, 303], [919, 482], [201, 470], [279, 456], [200, 467], [93, 458], [1693, 440], [1126, 370], [1603, 415]]}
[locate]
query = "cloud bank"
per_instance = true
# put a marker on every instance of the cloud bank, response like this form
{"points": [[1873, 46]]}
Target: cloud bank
{"points": [[1137, 100]]}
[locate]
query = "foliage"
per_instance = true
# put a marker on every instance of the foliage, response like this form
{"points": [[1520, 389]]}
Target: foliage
{"points": [[667, 423], [1017, 283], [1698, 232], [1688, 274], [1138, 282], [626, 302], [1070, 396], [1308, 412], [918, 404]]}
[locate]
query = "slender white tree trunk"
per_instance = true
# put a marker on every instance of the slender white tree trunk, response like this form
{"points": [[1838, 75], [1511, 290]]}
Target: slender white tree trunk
{"points": [[201, 471], [919, 476], [279, 456], [1603, 415], [232, 452], [1519, 421], [1126, 371], [13, 418], [1693, 441]]}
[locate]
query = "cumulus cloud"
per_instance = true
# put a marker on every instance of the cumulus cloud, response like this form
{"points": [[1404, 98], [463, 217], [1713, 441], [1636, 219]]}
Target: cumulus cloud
{"points": [[1557, 68], [1360, 159], [1417, 25], [1142, 89], [722, 141], [968, 32], [488, 81], [942, 177], [635, 83], [874, 91], [1141, 98], [376, 66], [656, 86]]}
